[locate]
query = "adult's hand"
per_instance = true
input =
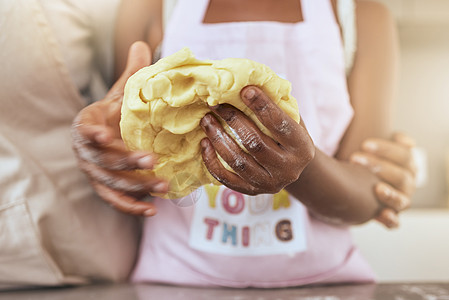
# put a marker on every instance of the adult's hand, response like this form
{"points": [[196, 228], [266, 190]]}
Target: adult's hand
{"points": [[392, 161], [101, 152], [269, 163]]}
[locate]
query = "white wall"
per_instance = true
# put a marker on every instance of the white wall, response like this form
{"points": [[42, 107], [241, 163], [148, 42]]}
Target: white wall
{"points": [[422, 108], [419, 10], [417, 251]]}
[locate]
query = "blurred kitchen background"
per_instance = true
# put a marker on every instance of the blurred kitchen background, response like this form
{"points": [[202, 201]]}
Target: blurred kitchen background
{"points": [[419, 249], [422, 109]]}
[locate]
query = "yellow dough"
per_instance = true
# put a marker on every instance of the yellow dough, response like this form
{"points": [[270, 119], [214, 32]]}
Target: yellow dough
{"points": [[164, 103]]}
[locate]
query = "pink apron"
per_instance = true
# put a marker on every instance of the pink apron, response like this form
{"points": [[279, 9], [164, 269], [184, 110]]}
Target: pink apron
{"points": [[230, 239]]}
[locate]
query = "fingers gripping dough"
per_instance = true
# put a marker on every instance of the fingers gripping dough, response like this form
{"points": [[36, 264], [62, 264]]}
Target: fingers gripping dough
{"points": [[164, 103]]}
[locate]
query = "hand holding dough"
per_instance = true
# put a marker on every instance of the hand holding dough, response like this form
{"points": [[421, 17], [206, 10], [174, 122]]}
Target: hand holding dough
{"points": [[164, 103]]}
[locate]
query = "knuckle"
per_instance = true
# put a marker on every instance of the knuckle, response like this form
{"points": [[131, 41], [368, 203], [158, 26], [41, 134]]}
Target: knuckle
{"points": [[383, 192], [77, 137], [111, 180], [258, 101], [238, 165], [229, 115], [407, 202], [284, 128], [137, 187], [382, 151], [386, 196], [207, 150], [392, 198], [377, 168], [255, 147], [389, 218], [260, 106], [394, 201], [117, 164], [89, 155], [216, 138], [253, 143]]}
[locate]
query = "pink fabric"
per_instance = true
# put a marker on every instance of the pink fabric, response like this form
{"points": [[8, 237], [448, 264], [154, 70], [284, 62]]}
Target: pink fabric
{"points": [[229, 239]]}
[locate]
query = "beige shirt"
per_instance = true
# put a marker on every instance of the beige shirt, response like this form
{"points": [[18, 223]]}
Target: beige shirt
{"points": [[53, 229]]}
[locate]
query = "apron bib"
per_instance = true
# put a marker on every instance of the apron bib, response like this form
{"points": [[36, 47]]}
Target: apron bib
{"points": [[231, 239]]}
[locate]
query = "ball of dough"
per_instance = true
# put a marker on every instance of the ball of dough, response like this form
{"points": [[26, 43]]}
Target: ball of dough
{"points": [[164, 103]]}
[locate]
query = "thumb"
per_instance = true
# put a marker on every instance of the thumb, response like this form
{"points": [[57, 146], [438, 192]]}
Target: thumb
{"points": [[139, 56]]}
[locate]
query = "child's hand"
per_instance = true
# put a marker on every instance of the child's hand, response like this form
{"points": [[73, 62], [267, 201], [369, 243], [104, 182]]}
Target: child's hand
{"points": [[392, 161], [102, 154], [270, 163]]}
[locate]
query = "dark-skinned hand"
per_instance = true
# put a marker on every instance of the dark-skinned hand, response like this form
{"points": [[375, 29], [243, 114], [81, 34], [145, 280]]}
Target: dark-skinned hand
{"points": [[392, 161], [269, 163]]}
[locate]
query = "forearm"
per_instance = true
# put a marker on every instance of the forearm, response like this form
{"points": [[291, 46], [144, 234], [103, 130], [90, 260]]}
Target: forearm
{"points": [[333, 188], [337, 191], [136, 21]]}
